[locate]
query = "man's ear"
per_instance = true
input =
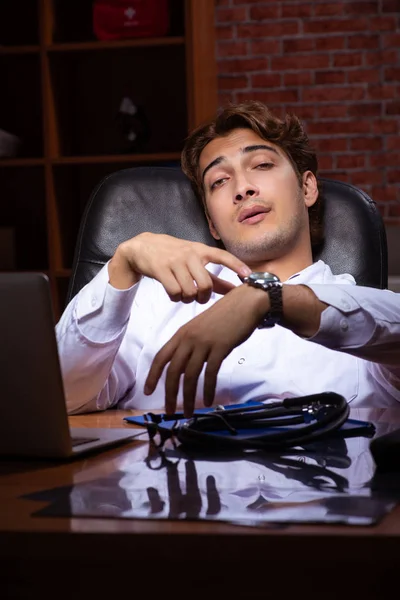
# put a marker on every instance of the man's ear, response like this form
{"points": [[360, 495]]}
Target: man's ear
{"points": [[212, 229], [310, 188]]}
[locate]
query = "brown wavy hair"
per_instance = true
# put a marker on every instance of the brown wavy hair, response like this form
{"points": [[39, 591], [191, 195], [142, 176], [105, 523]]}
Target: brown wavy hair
{"points": [[288, 134]]}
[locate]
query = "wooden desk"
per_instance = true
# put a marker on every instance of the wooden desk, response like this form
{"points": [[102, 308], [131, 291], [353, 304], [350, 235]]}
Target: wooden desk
{"points": [[71, 557]]}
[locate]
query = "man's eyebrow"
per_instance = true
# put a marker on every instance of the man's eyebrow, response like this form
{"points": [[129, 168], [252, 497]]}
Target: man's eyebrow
{"points": [[259, 147], [245, 150], [213, 163]]}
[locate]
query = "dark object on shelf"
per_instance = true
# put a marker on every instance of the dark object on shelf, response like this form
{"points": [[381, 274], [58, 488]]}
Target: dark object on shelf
{"points": [[385, 451], [9, 144], [134, 126], [121, 19]]}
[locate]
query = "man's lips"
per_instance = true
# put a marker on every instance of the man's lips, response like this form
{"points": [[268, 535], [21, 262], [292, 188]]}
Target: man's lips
{"points": [[252, 211]]}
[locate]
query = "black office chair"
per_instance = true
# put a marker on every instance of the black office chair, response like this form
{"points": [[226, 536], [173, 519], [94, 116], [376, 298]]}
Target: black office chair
{"points": [[160, 200]]}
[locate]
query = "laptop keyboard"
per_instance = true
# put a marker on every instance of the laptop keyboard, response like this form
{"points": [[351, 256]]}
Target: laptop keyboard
{"points": [[77, 441]]}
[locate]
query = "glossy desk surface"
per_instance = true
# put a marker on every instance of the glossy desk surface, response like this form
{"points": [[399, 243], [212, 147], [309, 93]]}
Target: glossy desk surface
{"points": [[24, 537]]}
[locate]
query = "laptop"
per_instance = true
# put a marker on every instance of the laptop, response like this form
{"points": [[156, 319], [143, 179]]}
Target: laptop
{"points": [[33, 413]]}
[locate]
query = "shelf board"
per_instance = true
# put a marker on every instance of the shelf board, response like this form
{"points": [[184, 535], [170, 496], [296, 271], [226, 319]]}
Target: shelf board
{"points": [[116, 158], [44, 271], [19, 49], [21, 162], [115, 44]]}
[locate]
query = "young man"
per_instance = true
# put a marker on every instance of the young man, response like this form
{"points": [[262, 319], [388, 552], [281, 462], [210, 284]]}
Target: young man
{"points": [[171, 323]]}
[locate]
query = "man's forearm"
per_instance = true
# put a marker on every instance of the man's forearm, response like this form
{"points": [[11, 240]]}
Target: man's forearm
{"points": [[301, 309], [89, 334], [121, 275]]}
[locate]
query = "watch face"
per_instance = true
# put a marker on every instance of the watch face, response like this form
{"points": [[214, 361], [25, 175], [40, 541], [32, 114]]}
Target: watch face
{"points": [[260, 277]]}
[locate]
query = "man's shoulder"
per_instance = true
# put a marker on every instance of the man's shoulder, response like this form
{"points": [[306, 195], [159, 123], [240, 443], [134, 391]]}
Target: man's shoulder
{"points": [[321, 272]]}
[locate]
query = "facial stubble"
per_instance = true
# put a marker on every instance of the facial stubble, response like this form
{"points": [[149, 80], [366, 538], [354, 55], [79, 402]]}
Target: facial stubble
{"points": [[273, 244]]}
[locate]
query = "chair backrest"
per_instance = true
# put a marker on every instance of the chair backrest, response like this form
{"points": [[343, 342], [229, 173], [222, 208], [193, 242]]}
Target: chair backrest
{"points": [[160, 200]]}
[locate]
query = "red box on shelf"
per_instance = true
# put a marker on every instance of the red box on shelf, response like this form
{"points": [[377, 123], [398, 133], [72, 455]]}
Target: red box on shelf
{"points": [[122, 19]]}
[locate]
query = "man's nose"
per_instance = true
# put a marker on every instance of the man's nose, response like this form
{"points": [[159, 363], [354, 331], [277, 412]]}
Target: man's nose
{"points": [[247, 192], [244, 188]]}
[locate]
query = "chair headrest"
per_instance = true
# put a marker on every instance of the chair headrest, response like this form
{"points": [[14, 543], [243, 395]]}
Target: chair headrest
{"points": [[160, 200], [355, 237]]}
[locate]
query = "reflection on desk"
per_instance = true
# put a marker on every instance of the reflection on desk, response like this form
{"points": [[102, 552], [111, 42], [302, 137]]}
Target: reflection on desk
{"points": [[330, 481]]}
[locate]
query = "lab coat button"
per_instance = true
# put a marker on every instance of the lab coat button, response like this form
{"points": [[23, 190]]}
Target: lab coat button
{"points": [[344, 325], [241, 361]]}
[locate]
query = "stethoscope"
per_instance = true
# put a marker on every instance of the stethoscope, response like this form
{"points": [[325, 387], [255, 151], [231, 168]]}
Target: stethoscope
{"points": [[273, 426]]}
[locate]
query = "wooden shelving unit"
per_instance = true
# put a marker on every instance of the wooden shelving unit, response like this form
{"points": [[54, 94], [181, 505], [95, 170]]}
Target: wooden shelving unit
{"points": [[22, 162], [62, 97], [114, 45], [20, 50], [119, 158]]}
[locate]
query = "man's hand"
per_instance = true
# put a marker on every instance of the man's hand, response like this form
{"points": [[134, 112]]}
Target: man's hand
{"points": [[212, 335], [206, 339], [179, 265]]}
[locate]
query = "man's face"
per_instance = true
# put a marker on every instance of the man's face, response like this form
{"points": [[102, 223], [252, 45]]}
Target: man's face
{"points": [[255, 202]]}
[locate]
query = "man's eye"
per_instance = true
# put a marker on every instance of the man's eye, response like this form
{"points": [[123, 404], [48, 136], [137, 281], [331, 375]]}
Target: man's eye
{"points": [[217, 183], [264, 165]]}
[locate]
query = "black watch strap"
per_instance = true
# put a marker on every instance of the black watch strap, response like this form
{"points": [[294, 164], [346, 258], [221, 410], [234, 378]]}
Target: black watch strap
{"points": [[275, 313]]}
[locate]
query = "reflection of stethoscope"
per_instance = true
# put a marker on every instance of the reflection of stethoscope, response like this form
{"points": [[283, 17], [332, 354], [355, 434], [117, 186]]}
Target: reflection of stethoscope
{"points": [[281, 424]]}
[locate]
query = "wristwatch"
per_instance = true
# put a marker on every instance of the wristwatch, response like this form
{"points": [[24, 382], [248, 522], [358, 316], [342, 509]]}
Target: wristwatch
{"points": [[271, 284]]}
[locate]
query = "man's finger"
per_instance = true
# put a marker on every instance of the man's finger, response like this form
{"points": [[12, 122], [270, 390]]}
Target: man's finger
{"points": [[160, 360], [222, 257], [176, 367], [171, 286], [191, 377], [210, 378], [202, 278], [220, 286], [186, 283]]}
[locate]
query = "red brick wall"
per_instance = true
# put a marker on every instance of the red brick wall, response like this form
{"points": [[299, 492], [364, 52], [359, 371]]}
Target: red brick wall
{"points": [[336, 64]]}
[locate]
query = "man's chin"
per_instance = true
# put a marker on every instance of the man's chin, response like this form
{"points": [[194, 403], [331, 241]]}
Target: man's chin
{"points": [[253, 252]]}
